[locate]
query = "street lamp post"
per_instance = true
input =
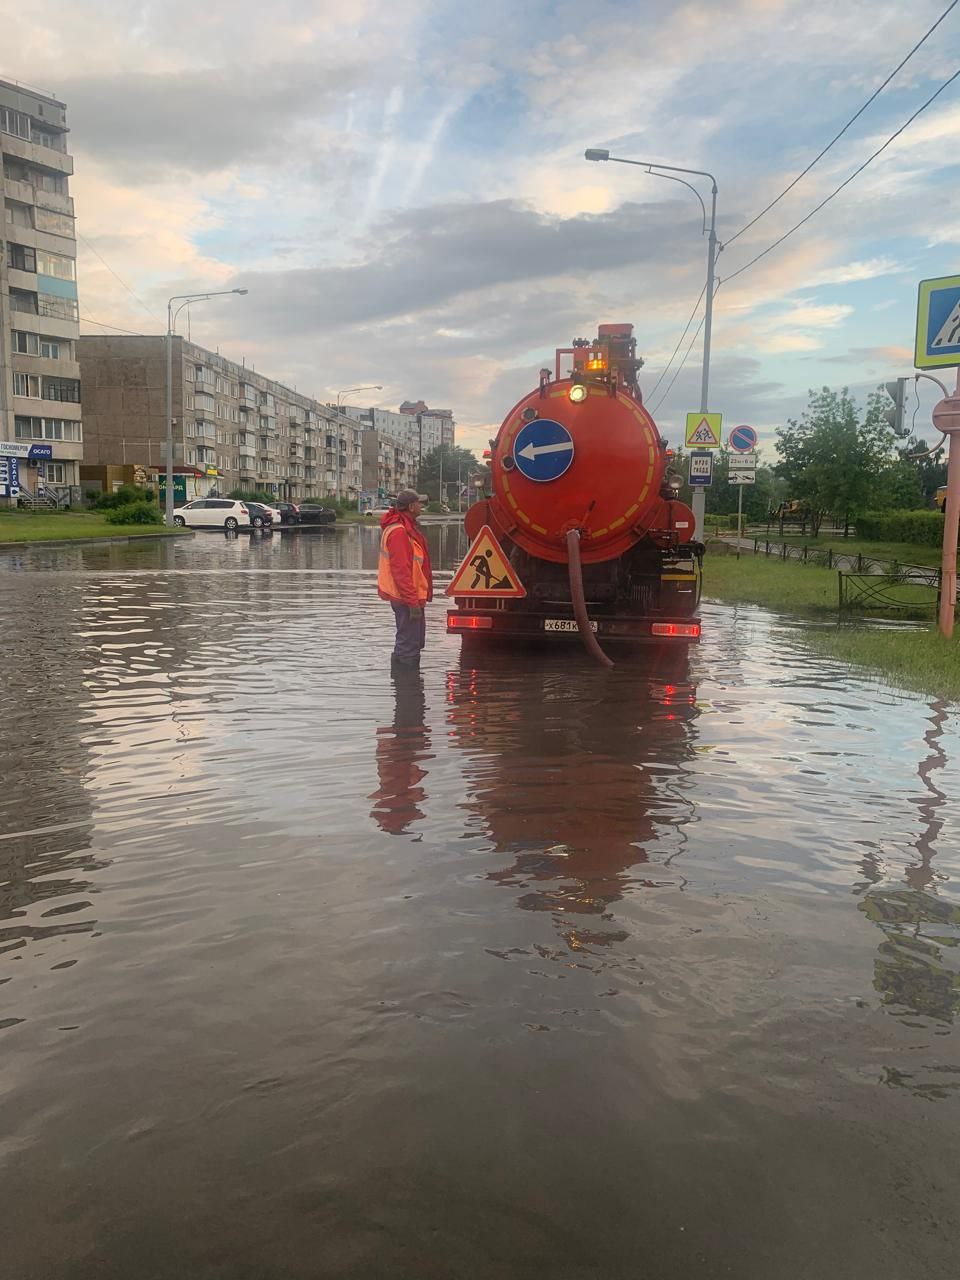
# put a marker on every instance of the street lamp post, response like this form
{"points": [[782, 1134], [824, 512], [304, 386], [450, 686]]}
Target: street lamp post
{"points": [[340, 394], [653, 168], [184, 299]]}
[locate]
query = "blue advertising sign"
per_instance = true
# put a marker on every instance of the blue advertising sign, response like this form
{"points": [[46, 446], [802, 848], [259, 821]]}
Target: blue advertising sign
{"points": [[40, 451], [9, 477], [543, 449]]}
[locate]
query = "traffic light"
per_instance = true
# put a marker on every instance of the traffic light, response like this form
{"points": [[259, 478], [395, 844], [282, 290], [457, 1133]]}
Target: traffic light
{"points": [[897, 393]]}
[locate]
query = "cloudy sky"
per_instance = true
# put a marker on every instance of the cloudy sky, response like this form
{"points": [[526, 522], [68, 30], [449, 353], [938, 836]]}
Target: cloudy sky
{"points": [[400, 185]]}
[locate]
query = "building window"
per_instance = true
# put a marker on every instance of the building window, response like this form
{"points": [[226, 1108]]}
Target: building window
{"points": [[26, 384], [57, 308], [188, 372], [59, 224], [25, 344], [15, 122], [56, 265], [56, 348], [18, 215], [21, 257], [55, 472], [66, 389], [47, 429]]}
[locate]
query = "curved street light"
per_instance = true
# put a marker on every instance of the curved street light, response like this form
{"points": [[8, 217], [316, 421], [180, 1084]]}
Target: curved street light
{"points": [[657, 170], [184, 299]]}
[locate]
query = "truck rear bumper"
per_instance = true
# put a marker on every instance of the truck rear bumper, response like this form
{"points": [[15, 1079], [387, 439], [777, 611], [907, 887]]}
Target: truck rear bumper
{"points": [[503, 624]]}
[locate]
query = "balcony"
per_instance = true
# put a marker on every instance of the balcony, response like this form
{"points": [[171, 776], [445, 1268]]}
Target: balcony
{"points": [[26, 193], [36, 152]]}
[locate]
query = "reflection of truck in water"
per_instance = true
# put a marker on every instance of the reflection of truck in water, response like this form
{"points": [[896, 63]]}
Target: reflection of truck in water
{"points": [[584, 507]]}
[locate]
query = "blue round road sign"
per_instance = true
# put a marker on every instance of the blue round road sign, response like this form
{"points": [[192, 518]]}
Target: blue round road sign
{"points": [[743, 439], [543, 449]]}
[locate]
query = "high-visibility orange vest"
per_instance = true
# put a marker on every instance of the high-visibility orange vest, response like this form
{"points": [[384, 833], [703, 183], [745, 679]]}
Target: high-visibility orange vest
{"points": [[385, 580]]}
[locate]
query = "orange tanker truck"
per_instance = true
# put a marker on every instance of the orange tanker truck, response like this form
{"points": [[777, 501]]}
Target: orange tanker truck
{"points": [[583, 532]]}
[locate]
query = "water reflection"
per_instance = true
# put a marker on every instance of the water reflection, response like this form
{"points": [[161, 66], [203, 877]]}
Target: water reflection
{"points": [[577, 776], [402, 750]]}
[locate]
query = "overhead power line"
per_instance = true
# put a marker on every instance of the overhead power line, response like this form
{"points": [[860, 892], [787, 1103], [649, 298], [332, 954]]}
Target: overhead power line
{"points": [[817, 158], [846, 182], [123, 282], [102, 325], [676, 372], [666, 367]]}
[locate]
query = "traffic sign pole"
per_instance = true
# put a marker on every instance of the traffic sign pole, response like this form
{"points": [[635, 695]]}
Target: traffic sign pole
{"points": [[946, 418]]}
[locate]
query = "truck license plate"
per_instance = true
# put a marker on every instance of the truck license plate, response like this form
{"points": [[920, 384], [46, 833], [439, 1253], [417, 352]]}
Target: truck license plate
{"points": [[563, 624]]}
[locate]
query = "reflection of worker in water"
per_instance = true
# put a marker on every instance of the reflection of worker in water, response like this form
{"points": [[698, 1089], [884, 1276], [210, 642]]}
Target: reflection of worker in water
{"points": [[401, 752], [482, 571]]}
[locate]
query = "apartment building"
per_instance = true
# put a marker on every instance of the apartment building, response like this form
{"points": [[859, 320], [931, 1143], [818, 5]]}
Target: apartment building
{"points": [[41, 433], [414, 427], [389, 464], [233, 428]]}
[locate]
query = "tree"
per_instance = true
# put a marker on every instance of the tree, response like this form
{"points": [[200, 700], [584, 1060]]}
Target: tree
{"points": [[456, 463], [833, 460]]}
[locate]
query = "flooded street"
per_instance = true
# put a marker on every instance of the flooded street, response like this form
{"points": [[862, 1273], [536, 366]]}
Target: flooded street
{"points": [[514, 968]]}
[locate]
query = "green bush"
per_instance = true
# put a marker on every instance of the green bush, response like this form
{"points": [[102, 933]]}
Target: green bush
{"points": [[922, 527], [125, 496], [140, 512]]}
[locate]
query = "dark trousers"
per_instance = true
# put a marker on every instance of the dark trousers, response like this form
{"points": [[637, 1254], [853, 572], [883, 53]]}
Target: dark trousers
{"points": [[411, 633]]}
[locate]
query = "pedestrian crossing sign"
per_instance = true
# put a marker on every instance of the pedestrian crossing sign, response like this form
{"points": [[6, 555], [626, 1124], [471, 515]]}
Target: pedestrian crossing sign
{"points": [[486, 571], [703, 430], [938, 323]]}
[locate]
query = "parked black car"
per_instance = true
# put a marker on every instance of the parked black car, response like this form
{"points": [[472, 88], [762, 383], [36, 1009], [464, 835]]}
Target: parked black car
{"points": [[260, 517], [289, 512], [317, 515]]}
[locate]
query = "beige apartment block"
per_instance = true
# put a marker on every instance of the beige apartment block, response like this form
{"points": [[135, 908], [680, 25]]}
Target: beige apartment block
{"points": [[40, 417], [233, 427]]}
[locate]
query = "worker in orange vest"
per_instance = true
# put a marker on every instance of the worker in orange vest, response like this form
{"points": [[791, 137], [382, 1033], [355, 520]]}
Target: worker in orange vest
{"points": [[405, 577]]}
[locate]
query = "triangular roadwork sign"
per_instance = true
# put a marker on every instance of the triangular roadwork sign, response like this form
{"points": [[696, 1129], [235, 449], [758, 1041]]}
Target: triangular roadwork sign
{"points": [[703, 430], [486, 571]]}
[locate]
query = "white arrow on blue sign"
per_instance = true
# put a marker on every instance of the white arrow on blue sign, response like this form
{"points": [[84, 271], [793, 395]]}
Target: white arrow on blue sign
{"points": [[543, 449]]}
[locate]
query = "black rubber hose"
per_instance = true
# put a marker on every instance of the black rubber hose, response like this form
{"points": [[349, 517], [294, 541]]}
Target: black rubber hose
{"points": [[579, 603]]}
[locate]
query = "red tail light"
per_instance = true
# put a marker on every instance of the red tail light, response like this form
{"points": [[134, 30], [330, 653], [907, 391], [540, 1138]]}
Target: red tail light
{"points": [[468, 622], [686, 630], [243, 510]]}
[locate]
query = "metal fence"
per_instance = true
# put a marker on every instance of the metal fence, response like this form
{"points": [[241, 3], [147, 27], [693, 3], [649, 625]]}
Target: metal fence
{"points": [[842, 560], [914, 595]]}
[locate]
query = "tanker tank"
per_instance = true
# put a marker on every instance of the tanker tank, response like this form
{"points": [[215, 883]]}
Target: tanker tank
{"points": [[582, 520]]}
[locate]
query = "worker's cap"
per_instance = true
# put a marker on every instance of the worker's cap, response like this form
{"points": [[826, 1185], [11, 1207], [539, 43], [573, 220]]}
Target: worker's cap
{"points": [[406, 498]]}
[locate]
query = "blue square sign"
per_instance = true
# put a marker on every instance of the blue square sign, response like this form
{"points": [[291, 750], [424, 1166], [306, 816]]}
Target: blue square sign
{"points": [[700, 474], [938, 323]]}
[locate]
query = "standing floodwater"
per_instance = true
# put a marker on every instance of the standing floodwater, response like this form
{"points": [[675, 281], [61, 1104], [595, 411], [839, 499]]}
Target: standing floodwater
{"points": [[510, 968]]}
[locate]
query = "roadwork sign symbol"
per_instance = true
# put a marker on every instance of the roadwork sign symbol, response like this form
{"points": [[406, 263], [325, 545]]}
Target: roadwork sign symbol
{"points": [[703, 430], [486, 571], [938, 323]]}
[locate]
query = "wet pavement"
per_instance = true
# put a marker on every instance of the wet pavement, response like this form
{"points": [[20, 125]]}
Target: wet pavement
{"points": [[513, 968]]}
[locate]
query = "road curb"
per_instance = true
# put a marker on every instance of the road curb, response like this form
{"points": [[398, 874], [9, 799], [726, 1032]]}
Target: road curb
{"points": [[109, 539]]}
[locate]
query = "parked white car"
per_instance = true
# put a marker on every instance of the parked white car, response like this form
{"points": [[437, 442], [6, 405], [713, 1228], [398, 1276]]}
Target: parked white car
{"points": [[213, 513]]}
